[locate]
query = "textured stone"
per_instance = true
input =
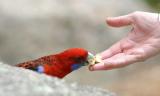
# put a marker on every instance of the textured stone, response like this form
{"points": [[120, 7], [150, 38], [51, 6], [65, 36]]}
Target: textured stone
{"points": [[21, 82]]}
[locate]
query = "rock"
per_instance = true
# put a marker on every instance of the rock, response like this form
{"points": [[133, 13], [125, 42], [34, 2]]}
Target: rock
{"points": [[21, 82]]}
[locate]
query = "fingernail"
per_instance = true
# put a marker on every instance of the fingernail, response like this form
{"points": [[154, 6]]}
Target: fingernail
{"points": [[91, 68]]}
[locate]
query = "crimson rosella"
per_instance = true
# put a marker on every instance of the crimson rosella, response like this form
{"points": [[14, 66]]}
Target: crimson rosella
{"points": [[59, 65]]}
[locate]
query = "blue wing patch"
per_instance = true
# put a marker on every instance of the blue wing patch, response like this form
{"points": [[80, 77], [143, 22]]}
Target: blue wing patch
{"points": [[40, 69], [75, 66]]}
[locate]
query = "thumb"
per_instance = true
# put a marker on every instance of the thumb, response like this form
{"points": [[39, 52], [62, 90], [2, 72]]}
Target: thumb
{"points": [[119, 21]]}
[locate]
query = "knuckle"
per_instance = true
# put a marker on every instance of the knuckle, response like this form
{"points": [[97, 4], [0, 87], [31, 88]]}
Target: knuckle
{"points": [[112, 65], [141, 58], [141, 55], [109, 65], [136, 13]]}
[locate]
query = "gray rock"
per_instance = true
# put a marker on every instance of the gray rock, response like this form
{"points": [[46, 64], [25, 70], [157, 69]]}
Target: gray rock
{"points": [[21, 82]]}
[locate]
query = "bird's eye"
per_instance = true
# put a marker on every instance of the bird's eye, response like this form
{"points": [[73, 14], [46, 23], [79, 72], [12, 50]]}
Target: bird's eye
{"points": [[78, 59]]}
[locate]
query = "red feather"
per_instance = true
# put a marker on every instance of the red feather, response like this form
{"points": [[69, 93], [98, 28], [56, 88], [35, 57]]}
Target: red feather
{"points": [[58, 65]]}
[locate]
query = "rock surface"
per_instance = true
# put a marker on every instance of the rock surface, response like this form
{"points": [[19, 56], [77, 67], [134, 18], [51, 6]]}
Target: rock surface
{"points": [[20, 82]]}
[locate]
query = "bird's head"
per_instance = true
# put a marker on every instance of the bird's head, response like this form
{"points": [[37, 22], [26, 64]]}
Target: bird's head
{"points": [[78, 57]]}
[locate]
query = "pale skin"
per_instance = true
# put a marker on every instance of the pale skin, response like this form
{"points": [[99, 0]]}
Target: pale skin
{"points": [[141, 43]]}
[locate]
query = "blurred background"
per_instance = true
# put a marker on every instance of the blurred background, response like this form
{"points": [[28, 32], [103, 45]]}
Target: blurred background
{"points": [[33, 28]]}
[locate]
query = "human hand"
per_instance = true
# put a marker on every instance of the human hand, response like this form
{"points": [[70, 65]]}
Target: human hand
{"points": [[142, 42]]}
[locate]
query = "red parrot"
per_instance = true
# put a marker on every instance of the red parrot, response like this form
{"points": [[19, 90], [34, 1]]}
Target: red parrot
{"points": [[59, 65]]}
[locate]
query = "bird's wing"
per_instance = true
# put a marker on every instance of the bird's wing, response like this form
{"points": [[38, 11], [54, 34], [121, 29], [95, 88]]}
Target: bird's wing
{"points": [[33, 64]]}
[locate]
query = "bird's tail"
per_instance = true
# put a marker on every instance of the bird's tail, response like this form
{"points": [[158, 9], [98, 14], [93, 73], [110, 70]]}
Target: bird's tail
{"points": [[32, 65]]}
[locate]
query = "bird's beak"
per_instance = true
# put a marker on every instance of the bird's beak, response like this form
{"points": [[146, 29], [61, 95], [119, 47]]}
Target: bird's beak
{"points": [[92, 59]]}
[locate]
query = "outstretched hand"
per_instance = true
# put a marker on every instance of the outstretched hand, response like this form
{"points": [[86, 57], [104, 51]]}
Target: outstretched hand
{"points": [[142, 42]]}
